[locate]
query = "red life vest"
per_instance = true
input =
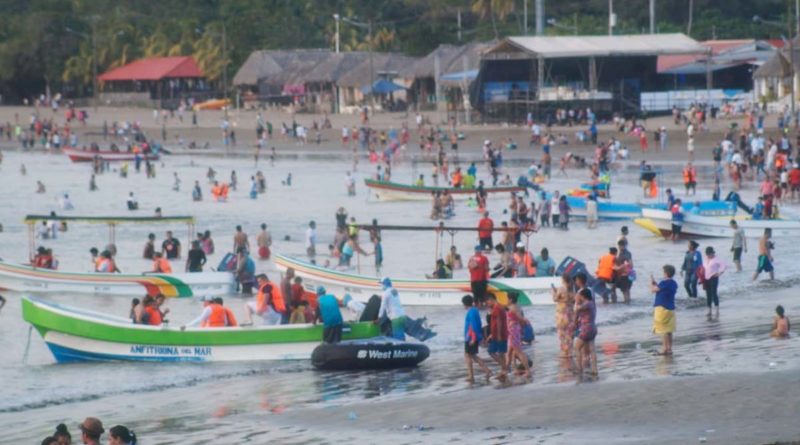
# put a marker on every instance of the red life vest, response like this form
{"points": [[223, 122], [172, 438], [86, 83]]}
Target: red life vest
{"points": [[154, 316]]}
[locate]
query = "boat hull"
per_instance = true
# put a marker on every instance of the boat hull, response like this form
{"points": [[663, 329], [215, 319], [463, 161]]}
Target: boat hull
{"points": [[708, 227], [28, 279], [608, 210], [417, 292], [79, 335], [391, 191], [76, 155]]}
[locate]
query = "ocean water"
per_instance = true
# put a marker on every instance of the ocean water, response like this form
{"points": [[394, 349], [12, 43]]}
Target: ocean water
{"points": [[233, 403]]}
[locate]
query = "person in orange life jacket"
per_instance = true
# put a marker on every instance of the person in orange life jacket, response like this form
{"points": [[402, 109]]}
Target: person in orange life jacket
{"points": [[213, 315], [457, 178], [523, 263], [150, 314], [268, 304], [605, 269], [690, 179], [160, 265], [106, 264]]}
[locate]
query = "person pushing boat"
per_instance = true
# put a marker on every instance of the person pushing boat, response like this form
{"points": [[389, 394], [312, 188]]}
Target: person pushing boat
{"points": [[391, 309]]}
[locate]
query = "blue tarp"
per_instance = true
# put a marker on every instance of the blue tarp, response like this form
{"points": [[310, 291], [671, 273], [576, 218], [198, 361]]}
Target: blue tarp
{"points": [[383, 86]]}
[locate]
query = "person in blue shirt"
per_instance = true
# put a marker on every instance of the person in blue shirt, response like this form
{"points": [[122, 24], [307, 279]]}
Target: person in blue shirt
{"points": [[664, 307], [472, 338], [691, 261], [328, 312], [545, 266], [677, 219], [758, 209], [472, 170]]}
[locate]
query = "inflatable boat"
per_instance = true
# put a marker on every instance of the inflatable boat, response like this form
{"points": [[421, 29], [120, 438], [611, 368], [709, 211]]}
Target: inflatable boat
{"points": [[371, 353]]}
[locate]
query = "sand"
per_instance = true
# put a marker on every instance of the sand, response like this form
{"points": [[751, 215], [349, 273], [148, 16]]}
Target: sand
{"points": [[725, 409]]}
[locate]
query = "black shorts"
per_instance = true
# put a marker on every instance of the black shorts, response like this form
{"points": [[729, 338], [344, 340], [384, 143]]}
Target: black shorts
{"points": [[471, 348], [486, 243], [332, 334], [737, 254], [676, 229], [479, 291], [623, 283]]}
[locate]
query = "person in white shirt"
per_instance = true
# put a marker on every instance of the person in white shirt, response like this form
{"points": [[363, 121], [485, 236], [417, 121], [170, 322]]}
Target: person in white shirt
{"points": [[311, 240], [391, 309]]}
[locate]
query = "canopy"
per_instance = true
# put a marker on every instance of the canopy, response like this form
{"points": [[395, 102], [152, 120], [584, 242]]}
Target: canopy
{"points": [[154, 68], [383, 86], [33, 219]]}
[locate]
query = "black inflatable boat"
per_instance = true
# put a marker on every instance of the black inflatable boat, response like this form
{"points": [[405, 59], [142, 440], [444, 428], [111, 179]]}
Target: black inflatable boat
{"points": [[371, 353]]}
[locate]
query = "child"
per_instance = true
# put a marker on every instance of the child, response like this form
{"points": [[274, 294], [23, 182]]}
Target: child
{"points": [[298, 313], [472, 338], [664, 304], [515, 321], [781, 324]]}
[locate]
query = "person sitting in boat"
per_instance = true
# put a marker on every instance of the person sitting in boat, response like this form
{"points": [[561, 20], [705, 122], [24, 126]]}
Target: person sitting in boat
{"points": [[214, 315], [301, 313], [160, 264], [453, 259], [331, 317], [356, 308], [150, 313], [269, 303], [441, 272], [391, 309], [136, 311], [43, 259], [106, 264]]}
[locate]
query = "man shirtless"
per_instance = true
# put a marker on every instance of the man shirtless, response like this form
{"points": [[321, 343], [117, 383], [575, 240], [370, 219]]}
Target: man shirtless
{"points": [[264, 242], [240, 240]]}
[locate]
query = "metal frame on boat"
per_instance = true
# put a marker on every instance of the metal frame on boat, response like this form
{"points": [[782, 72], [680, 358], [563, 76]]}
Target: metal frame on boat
{"points": [[74, 334], [449, 292], [392, 191]]}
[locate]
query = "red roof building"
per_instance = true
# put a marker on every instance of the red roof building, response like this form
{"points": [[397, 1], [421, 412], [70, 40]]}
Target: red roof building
{"points": [[165, 79]]}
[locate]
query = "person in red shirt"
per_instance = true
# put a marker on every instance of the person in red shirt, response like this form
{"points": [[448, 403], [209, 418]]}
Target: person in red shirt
{"points": [[479, 275], [485, 228], [498, 333], [794, 180]]}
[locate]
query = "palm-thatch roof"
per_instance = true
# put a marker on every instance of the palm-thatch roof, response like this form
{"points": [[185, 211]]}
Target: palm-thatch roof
{"points": [[278, 67], [385, 63], [333, 67], [451, 59]]}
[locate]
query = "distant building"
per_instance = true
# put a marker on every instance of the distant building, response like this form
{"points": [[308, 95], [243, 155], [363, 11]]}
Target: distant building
{"points": [[164, 80], [538, 75], [775, 79]]}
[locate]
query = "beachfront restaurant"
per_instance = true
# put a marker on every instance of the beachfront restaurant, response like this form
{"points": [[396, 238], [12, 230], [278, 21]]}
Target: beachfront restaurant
{"points": [[538, 75], [164, 81]]}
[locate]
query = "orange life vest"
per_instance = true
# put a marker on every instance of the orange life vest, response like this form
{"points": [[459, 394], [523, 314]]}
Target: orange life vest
{"points": [[161, 265], [457, 179], [277, 299], [605, 269], [230, 318], [689, 175], [525, 259], [154, 314], [217, 319]]}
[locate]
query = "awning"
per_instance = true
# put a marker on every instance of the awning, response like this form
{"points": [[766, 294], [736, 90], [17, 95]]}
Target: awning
{"points": [[460, 76], [382, 86]]}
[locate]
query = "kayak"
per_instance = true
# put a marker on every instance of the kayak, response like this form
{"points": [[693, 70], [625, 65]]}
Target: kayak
{"points": [[74, 334], [30, 279]]}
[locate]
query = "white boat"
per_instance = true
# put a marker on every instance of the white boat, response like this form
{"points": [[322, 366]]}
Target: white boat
{"points": [[392, 191], [30, 279], [417, 292], [660, 221]]}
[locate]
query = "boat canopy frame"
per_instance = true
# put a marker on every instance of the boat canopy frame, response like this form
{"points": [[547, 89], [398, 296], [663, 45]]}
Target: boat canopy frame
{"points": [[111, 221]]}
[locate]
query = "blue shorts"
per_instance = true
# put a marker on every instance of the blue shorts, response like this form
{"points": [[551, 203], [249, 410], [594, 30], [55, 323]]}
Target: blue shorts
{"points": [[764, 264], [498, 346]]}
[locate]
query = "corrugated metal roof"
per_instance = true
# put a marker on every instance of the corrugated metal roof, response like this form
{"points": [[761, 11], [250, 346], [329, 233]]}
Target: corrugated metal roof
{"points": [[596, 46]]}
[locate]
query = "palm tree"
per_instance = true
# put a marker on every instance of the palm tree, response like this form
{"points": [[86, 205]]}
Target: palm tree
{"points": [[492, 8]]}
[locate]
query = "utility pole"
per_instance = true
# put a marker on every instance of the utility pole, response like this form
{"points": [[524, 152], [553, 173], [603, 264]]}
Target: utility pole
{"points": [[525, 17], [225, 65], [539, 17], [371, 70], [94, 65], [612, 18], [336, 17], [459, 23], [653, 16]]}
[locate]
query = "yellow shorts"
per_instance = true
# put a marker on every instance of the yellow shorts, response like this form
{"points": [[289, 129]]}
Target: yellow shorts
{"points": [[663, 320]]}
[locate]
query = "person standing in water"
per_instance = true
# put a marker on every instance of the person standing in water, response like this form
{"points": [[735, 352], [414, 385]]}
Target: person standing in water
{"points": [[311, 241], [713, 268], [765, 259], [473, 334], [264, 242], [176, 184], [664, 307], [197, 192], [691, 261], [739, 244], [240, 240]]}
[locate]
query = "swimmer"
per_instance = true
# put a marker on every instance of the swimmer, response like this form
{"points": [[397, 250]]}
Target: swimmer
{"points": [[780, 325]]}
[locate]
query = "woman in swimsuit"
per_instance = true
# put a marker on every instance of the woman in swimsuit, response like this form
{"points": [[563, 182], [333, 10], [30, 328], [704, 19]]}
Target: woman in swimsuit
{"points": [[586, 331]]}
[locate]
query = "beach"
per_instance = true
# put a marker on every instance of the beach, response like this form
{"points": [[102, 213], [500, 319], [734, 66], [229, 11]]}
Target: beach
{"points": [[728, 381]]}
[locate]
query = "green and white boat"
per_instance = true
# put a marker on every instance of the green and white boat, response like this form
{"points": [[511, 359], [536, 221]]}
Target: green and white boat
{"points": [[75, 335]]}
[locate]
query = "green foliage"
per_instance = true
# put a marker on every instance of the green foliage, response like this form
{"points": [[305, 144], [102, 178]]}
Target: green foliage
{"points": [[37, 50]]}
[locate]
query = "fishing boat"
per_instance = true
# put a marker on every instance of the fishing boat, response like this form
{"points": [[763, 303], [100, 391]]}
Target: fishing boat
{"points": [[74, 334], [448, 292], [660, 222], [78, 155], [392, 191], [630, 210], [29, 279]]}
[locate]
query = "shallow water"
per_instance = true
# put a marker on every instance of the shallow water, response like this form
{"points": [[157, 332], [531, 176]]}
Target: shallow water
{"points": [[226, 403]]}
